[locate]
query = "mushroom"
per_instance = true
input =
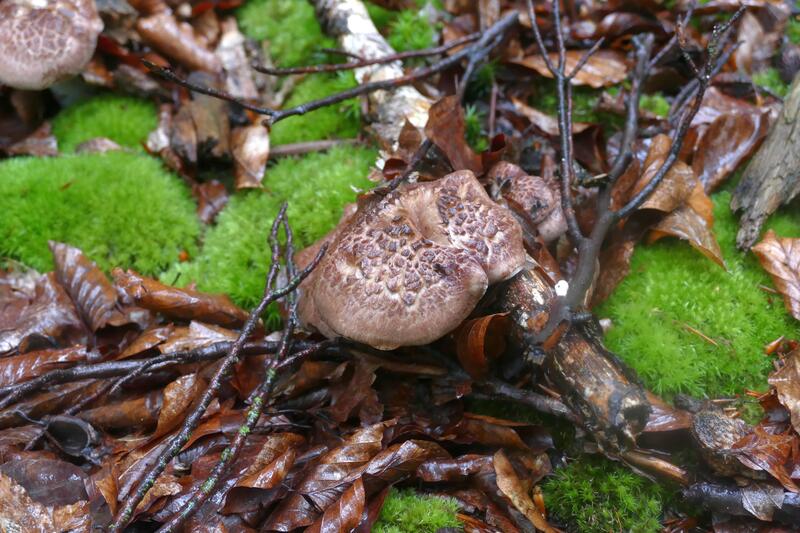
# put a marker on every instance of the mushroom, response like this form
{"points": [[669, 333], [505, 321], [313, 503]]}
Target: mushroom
{"points": [[407, 268], [42, 42], [532, 195]]}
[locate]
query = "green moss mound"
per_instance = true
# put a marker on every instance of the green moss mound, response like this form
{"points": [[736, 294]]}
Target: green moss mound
{"points": [[672, 288], [121, 209], [407, 512], [235, 259], [341, 121], [596, 495], [289, 27], [125, 120]]}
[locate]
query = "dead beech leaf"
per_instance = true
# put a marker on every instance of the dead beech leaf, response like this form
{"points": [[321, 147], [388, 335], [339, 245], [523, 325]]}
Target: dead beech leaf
{"points": [[179, 303], [780, 257], [728, 141], [665, 417], [479, 340], [693, 223], [604, 69], [344, 514], [762, 499], [197, 335], [514, 489], [40, 143], [177, 41], [21, 513], [211, 197], [93, 294], [786, 381], [674, 189], [250, 150], [453, 469], [178, 397], [19, 368], [148, 340], [760, 450], [447, 130]]}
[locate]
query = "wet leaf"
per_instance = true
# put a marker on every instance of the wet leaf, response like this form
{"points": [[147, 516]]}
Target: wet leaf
{"points": [[250, 150], [21, 513], [19, 368], [179, 303], [148, 340], [786, 381], [139, 413], [760, 450], [480, 340], [344, 514], [178, 397], [690, 224], [93, 294], [40, 143], [514, 489], [196, 335], [211, 198], [727, 142], [674, 189], [604, 69], [177, 41], [39, 308], [447, 130], [355, 392], [545, 123], [762, 499], [455, 469], [780, 257], [665, 417]]}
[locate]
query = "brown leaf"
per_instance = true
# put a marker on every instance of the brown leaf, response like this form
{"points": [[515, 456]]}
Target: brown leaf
{"points": [[757, 46], [762, 499], [178, 397], [135, 414], [786, 381], [21, 513], [19, 368], [545, 123], [97, 145], [479, 340], [694, 223], [250, 150], [728, 141], [453, 470], [179, 303], [344, 514], [675, 188], [40, 143], [615, 261], [211, 197], [197, 335], [514, 489], [447, 130], [93, 294], [36, 306], [355, 392], [148, 340], [664, 417], [176, 40], [604, 69], [760, 450], [780, 257]]}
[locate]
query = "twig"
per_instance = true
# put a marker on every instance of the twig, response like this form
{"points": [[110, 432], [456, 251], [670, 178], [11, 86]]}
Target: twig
{"points": [[416, 159], [302, 148], [147, 480], [336, 67]]}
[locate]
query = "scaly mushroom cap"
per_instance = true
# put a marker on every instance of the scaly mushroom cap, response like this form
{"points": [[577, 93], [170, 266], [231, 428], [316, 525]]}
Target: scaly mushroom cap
{"points": [[44, 41], [408, 268]]}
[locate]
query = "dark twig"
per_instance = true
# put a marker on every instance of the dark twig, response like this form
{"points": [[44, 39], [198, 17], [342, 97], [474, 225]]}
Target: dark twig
{"points": [[222, 374], [488, 40], [336, 67], [416, 159]]}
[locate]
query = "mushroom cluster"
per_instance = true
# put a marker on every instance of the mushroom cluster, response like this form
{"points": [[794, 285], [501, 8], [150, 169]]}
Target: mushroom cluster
{"points": [[44, 41], [407, 268]]}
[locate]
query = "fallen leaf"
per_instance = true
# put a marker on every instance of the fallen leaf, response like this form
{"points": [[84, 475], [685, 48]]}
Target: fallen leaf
{"points": [[513, 488], [93, 294], [603, 69], [178, 397], [760, 450], [21, 513], [762, 499], [176, 40], [19, 368], [780, 257], [545, 123], [344, 514], [786, 381], [447, 130], [250, 150], [676, 186], [40, 143], [179, 303]]}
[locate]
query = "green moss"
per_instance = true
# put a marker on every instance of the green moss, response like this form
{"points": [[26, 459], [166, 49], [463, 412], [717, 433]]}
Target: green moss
{"points": [[793, 30], [655, 103], [235, 259], [593, 494], [121, 209], [672, 288], [473, 120], [770, 79], [123, 119], [380, 16], [289, 27], [407, 512], [411, 30], [584, 100], [340, 121]]}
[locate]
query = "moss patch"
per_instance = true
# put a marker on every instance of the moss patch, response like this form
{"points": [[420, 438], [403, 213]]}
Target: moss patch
{"points": [[121, 209], [596, 495], [234, 258], [125, 120], [770, 79], [407, 512], [342, 120], [289, 26], [672, 288]]}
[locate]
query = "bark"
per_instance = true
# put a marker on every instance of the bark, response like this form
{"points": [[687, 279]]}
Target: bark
{"points": [[772, 178], [349, 22], [593, 382]]}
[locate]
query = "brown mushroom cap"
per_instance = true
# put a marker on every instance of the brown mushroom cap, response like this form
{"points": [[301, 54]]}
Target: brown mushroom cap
{"points": [[406, 269], [44, 41]]}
